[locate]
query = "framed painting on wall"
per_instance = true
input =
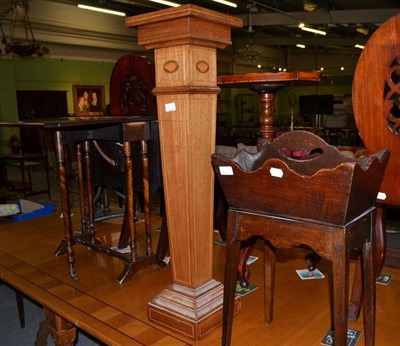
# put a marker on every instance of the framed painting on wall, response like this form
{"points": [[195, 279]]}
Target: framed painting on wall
{"points": [[89, 100]]}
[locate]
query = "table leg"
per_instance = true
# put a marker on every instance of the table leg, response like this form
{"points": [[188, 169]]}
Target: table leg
{"points": [[22, 166], [269, 281], [42, 333], [379, 235], [89, 191], [340, 271], [230, 279], [66, 244], [129, 216], [163, 243], [79, 171], [146, 197], [61, 331], [21, 310], [369, 266]]}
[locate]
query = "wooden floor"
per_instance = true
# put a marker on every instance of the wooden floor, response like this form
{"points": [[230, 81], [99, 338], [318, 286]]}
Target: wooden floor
{"points": [[116, 314]]}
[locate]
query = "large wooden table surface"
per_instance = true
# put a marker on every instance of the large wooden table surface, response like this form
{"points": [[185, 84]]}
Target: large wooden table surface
{"points": [[113, 313], [117, 314]]}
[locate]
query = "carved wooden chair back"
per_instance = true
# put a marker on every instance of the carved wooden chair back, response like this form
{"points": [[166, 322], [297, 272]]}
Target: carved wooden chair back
{"points": [[131, 85]]}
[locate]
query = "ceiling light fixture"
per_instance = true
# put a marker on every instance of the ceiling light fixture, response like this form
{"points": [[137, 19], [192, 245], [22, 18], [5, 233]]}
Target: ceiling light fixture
{"points": [[302, 26], [227, 3], [363, 30], [24, 47], [103, 10], [299, 45], [166, 3], [248, 55], [309, 6], [359, 46]]}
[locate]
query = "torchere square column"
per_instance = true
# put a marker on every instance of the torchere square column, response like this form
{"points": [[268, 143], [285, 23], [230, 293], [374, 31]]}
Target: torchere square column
{"points": [[185, 40]]}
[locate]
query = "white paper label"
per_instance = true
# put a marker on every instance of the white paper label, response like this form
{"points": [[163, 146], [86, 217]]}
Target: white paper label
{"points": [[276, 172], [381, 196], [225, 170], [170, 107]]}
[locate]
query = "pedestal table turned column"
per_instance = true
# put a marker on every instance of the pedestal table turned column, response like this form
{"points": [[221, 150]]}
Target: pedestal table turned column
{"points": [[185, 40], [266, 85]]}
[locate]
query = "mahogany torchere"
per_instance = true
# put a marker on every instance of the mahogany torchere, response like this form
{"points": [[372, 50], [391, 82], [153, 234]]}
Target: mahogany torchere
{"points": [[185, 40]]}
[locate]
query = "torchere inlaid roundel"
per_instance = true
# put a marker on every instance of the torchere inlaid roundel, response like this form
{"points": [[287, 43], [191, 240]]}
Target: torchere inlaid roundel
{"points": [[171, 66], [202, 66], [392, 97]]}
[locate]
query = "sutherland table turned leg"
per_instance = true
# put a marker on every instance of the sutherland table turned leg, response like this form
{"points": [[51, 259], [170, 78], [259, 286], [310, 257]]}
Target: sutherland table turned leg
{"points": [[130, 201], [129, 216], [66, 244], [146, 197], [89, 191], [79, 173]]}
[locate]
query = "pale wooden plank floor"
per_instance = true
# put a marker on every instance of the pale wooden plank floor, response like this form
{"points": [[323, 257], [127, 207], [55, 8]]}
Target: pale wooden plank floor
{"points": [[302, 313]]}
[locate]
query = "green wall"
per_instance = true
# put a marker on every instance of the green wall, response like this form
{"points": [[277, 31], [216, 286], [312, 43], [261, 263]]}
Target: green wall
{"points": [[60, 74], [45, 74]]}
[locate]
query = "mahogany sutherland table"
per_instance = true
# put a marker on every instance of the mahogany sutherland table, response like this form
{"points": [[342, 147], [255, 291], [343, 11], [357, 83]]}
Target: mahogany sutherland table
{"points": [[81, 131]]}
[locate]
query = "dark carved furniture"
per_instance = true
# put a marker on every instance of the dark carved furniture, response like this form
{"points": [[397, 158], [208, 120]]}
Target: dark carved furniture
{"points": [[326, 202], [131, 83], [376, 111]]}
